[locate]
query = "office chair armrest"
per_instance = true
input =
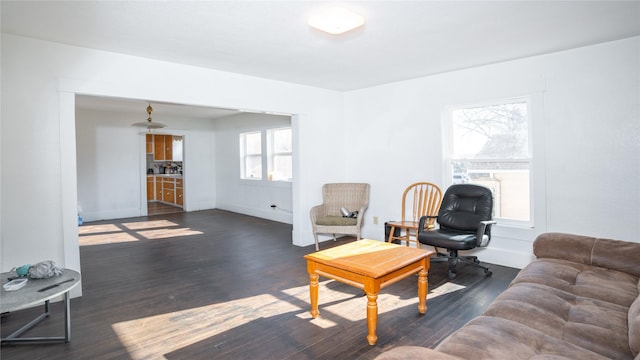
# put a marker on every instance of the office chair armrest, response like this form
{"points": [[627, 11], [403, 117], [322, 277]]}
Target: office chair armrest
{"points": [[423, 220], [482, 230]]}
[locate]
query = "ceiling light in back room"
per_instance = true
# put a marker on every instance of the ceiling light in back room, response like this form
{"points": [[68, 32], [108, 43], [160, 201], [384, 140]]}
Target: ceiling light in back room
{"points": [[149, 124], [335, 20]]}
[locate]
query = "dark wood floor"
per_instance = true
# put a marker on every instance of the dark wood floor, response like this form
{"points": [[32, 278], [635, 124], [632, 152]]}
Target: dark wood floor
{"points": [[158, 208], [218, 285]]}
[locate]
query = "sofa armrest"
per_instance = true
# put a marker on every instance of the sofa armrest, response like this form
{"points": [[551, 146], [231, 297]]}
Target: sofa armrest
{"points": [[613, 254], [414, 353]]}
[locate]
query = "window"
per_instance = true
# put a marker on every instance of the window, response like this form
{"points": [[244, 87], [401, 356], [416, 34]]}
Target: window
{"points": [[251, 155], [280, 165], [490, 145], [278, 162]]}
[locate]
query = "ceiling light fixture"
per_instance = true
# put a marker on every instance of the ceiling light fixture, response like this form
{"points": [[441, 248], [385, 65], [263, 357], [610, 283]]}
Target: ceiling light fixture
{"points": [[335, 20], [149, 124]]}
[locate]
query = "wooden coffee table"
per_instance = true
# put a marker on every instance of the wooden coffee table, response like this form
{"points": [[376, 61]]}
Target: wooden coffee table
{"points": [[369, 265]]}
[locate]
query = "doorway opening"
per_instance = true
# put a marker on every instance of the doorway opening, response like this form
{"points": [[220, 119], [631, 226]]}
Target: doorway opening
{"points": [[165, 173]]}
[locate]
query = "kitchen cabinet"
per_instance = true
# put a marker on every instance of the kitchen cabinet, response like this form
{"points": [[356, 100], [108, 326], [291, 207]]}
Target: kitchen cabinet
{"points": [[151, 192], [179, 193], [165, 189], [159, 148], [167, 147], [169, 196], [158, 190], [149, 144], [168, 191]]}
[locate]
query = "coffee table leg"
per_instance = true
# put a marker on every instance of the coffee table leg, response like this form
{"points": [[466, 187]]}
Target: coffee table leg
{"points": [[422, 291], [313, 293], [372, 317]]}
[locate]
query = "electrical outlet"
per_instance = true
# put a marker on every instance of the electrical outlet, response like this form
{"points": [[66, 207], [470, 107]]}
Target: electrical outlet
{"points": [[375, 220]]}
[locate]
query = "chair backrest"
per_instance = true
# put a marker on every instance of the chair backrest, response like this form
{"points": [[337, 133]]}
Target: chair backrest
{"points": [[464, 206], [420, 199], [351, 196]]}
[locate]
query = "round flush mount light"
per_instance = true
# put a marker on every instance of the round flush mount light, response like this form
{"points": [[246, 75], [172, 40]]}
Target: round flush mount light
{"points": [[335, 20]]}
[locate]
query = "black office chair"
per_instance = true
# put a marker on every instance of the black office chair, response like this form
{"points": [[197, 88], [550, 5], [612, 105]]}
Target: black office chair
{"points": [[464, 219]]}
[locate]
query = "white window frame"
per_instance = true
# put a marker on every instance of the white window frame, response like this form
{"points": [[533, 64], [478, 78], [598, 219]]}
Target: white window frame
{"points": [[272, 153], [449, 158], [244, 156]]}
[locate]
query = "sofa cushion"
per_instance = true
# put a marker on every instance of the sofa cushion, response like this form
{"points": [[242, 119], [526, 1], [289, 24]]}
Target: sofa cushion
{"points": [[594, 325], [582, 280], [487, 337], [580, 304]]}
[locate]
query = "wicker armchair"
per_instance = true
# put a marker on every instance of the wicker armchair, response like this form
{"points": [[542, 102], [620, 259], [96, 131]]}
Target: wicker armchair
{"points": [[327, 219]]}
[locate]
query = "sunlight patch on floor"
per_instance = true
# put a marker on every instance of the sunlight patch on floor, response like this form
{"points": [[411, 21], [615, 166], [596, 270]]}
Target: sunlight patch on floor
{"points": [[154, 336], [102, 228], [168, 233], [112, 238], [112, 233], [352, 305], [149, 224]]}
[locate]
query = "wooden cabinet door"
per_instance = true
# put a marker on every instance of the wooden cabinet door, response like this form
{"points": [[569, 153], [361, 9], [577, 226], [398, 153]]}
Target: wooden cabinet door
{"points": [[149, 144], [158, 147], [151, 192], [179, 200], [168, 191], [168, 196], [168, 147], [158, 188]]}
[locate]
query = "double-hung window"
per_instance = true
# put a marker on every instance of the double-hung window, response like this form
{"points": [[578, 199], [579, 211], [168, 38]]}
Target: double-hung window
{"points": [[490, 145], [280, 156], [251, 155], [270, 158]]}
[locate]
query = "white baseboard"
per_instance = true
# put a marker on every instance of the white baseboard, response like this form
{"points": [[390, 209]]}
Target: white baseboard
{"points": [[502, 257], [269, 214], [110, 214]]}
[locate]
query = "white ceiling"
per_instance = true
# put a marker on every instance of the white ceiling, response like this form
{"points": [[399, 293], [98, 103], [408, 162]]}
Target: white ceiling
{"points": [[165, 110], [271, 39]]}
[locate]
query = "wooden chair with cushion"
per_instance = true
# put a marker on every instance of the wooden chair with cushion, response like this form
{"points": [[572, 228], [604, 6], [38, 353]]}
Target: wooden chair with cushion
{"points": [[418, 200], [327, 218]]}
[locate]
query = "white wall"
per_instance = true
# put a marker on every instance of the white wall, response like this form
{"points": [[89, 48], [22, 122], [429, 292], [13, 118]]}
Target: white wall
{"points": [[39, 83], [112, 165], [586, 137], [586, 134], [251, 197]]}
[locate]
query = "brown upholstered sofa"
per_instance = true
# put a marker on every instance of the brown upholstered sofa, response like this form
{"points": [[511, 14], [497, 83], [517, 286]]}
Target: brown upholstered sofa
{"points": [[578, 300]]}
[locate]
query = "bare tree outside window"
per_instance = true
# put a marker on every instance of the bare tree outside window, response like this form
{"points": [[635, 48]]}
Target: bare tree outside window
{"points": [[491, 148]]}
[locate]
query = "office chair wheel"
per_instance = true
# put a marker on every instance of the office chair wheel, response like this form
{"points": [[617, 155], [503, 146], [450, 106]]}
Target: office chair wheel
{"points": [[452, 275], [487, 272]]}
